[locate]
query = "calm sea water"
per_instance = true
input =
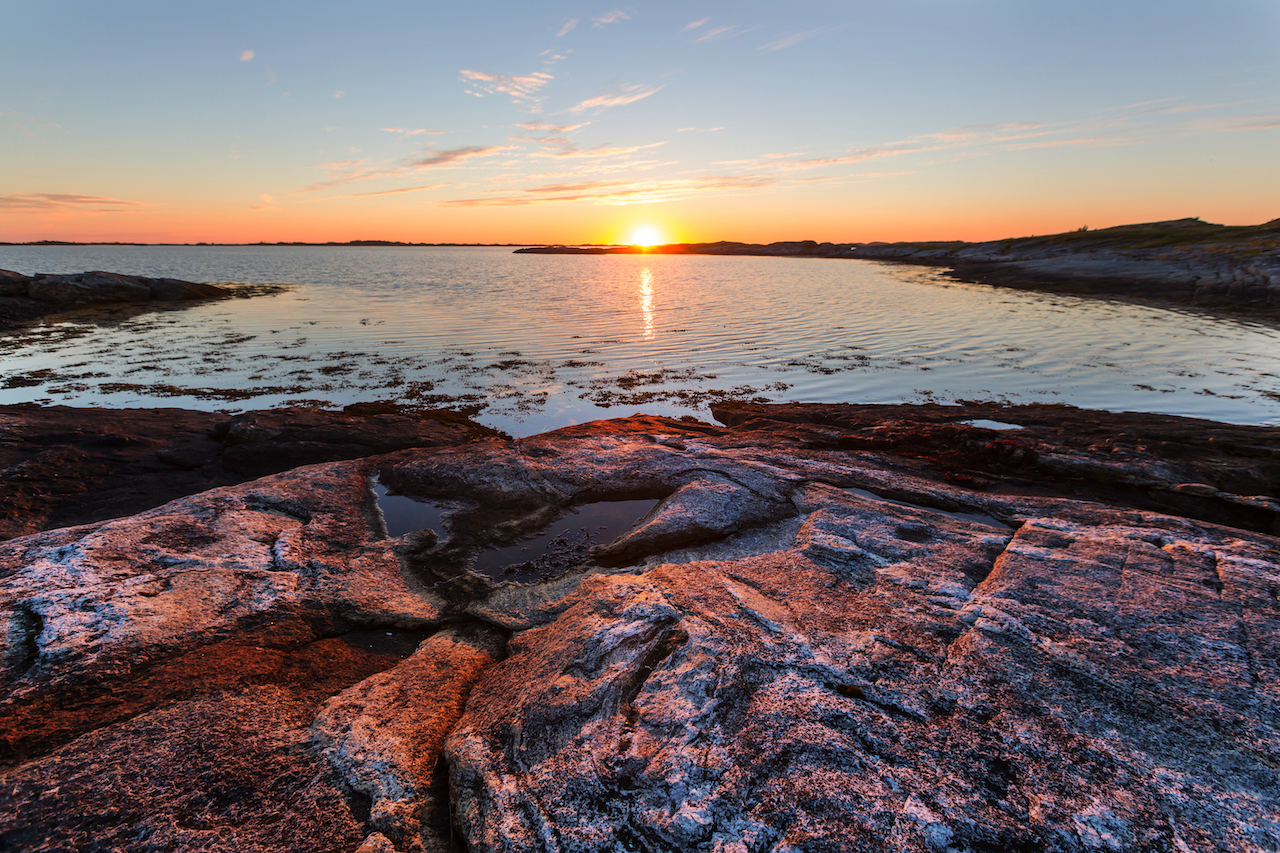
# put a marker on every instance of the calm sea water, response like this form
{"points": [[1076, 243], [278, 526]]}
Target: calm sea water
{"points": [[535, 342]]}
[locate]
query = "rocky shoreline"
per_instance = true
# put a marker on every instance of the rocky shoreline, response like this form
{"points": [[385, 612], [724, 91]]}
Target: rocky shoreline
{"points": [[830, 627], [27, 298], [1185, 262]]}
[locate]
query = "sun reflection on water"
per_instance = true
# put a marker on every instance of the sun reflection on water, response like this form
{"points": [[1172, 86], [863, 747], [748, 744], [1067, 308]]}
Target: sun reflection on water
{"points": [[646, 302]]}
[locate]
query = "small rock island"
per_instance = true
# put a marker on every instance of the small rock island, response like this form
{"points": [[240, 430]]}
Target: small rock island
{"points": [[24, 298]]}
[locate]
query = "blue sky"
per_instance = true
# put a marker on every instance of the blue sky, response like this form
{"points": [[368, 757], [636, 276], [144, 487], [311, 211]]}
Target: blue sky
{"points": [[573, 122]]}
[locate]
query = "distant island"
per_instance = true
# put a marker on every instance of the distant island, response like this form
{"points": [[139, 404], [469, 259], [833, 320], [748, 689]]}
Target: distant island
{"points": [[1187, 261]]}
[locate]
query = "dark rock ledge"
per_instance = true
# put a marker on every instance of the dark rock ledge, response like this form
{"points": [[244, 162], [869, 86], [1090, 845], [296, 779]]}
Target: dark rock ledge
{"points": [[840, 628], [24, 298]]}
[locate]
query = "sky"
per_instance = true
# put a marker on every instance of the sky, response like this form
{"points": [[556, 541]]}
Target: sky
{"points": [[581, 122]]}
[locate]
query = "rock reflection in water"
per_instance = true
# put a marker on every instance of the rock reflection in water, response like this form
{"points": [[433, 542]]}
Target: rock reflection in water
{"points": [[405, 515]]}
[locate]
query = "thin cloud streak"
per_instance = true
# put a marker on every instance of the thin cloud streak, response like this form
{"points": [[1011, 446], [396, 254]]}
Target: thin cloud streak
{"points": [[1238, 124], [596, 151], [789, 41], [627, 95], [345, 172], [551, 128], [567, 28], [64, 201], [725, 32], [610, 18], [20, 121], [435, 159], [417, 131], [397, 192]]}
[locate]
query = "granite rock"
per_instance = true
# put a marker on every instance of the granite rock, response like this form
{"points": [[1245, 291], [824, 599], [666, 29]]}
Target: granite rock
{"points": [[838, 628]]}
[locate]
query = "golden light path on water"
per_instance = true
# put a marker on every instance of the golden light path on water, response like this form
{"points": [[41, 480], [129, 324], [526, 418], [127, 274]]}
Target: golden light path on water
{"points": [[535, 342], [646, 302]]}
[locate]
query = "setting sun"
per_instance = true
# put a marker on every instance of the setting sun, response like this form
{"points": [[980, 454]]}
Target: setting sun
{"points": [[645, 235]]}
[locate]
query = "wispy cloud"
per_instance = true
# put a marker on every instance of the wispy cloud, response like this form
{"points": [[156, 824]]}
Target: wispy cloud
{"points": [[351, 171], [25, 124], [610, 18], [725, 32], [436, 159], [522, 90], [595, 152], [1132, 125], [416, 131], [1232, 124], [623, 192], [401, 190], [551, 128], [693, 25], [626, 95], [698, 129], [246, 55], [64, 201], [789, 41], [567, 28]]}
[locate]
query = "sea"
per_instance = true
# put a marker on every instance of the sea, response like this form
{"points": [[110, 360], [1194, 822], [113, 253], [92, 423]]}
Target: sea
{"points": [[527, 343]]}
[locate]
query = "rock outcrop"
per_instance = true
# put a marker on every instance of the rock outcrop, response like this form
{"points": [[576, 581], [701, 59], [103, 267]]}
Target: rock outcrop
{"points": [[1184, 261], [24, 298], [63, 466], [832, 631]]}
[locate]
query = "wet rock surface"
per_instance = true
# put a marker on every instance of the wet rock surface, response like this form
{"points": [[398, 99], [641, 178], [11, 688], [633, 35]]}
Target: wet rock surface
{"points": [[63, 466], [838, 628]]}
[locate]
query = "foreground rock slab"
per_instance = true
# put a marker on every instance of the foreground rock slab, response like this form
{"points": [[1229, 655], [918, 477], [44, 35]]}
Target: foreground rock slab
{"points": [[814, 636]]}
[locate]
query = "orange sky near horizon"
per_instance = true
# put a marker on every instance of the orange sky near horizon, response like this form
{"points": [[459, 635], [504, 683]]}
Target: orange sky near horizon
{"points": [[675, 223]]}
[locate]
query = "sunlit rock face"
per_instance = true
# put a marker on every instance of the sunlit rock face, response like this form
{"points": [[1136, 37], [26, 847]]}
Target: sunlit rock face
{"points": [[1088, 692], [822, 631]]}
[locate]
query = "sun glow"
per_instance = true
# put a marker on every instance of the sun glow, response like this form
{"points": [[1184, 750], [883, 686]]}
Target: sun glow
{"points": [[645, 235]]}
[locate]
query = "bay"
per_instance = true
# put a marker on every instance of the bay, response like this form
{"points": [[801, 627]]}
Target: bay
{"points": [[534, 342]]}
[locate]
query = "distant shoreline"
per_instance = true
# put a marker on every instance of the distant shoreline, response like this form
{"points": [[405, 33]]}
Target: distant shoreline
{"points": [[1184, 261], [1187, 262]]}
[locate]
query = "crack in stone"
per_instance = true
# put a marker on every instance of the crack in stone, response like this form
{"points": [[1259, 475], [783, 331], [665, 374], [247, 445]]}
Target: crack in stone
{"points": [[973, 593], [25, 628]]}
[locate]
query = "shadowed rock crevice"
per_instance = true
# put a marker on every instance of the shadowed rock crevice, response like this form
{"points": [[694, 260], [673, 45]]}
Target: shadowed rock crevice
{"points": [[25, 627]]}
